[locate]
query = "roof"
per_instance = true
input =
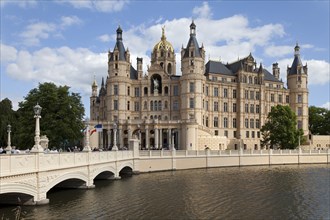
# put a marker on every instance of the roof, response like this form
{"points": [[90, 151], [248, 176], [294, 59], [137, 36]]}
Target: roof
{"points": [[294, 67], [268, 76], [133, 73], [120, 46], [217, 67], [192, 43]]}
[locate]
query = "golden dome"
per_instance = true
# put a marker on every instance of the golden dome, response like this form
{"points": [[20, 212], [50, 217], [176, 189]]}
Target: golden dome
{"points": [[163, 44]]}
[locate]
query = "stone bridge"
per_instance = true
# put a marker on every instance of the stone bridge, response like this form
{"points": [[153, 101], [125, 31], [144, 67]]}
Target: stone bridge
{"points": [[26, 178]]}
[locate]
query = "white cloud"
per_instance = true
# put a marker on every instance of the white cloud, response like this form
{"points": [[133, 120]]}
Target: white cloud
{"points": [[104, 38], [21, 3], [8, 53], [318, 70], [67, 21], [326, 105], [98, 5], [63, 66], [203, 11], [34, 33], [278, 51]]}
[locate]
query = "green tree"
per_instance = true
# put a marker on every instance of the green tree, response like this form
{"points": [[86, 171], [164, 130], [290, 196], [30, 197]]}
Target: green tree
{"points": [[7, 116], [319, 120], [280, 130], [61, 116]]}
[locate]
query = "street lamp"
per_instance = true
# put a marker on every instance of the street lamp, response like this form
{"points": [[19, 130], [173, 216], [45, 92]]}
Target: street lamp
{"points": [[37, 147], [87, 147], [115, 136], [8, 149]]}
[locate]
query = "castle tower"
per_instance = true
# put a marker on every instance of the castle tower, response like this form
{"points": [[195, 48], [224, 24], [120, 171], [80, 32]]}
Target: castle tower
{"points": [[297, 80], [192, 81], [276, 71], [120, 73]]}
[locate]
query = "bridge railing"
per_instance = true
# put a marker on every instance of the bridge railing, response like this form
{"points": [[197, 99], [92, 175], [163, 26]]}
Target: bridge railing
{"points": [[12, 164]]}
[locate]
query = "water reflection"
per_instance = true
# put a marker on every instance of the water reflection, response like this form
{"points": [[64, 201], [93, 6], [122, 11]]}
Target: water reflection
{"points": [[276, 192]]}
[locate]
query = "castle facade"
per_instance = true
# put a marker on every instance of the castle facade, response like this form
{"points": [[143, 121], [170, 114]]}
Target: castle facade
{"points": [[208, 105]]}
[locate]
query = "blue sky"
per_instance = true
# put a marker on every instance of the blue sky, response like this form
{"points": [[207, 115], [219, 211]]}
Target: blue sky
{"points": [[66, 42]]}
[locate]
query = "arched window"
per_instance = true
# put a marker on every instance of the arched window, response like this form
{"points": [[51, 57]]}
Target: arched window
{"points": [[151, 117], [244, 79], [169, 68], [145, 91], [145, 105], [207, 121], [162, 64], [165, 105], [151, 105], [166, 90], [255, 80], [155, 106]]}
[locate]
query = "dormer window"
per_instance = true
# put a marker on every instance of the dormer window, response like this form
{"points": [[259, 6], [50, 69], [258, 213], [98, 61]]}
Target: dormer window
{"points": [[116, 57], [161, 54], [191, 53]]}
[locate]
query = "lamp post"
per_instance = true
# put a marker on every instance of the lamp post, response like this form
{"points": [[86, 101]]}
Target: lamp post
{"points": [[37, 147], [87, 147], [114, 137], [8, 149]]}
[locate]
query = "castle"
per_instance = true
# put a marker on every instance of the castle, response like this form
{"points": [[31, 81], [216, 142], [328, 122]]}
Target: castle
{"points": [[213, 105]]}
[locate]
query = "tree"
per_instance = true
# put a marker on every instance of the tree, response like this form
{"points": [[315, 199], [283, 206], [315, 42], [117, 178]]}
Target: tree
{"points": [[7, 116], [281, 128], [319, 120], [61, 116]]}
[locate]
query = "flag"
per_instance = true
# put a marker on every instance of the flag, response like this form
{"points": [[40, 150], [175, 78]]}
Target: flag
{"points": [[92, 131], [98, 127]]}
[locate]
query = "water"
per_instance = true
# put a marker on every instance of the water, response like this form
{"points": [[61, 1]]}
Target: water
{"points": [[275, 192]]}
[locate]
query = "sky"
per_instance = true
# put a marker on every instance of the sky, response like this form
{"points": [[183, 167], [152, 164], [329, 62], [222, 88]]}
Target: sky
{"points": [[66, 42]]}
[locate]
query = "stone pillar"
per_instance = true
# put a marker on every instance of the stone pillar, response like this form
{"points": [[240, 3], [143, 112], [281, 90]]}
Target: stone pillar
{"points": [[147, 137], [173, 144], [121, 139], [109, 138], [169, 140], [178, 139], [156, 138], [161, 138]]}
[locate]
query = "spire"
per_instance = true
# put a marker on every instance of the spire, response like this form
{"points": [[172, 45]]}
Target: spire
{"points": [[296, 50], [119, 33], [119, 44], [163, 34], [296, 67], [102, 84], [192, 43], [94, 82], [260, 70], [192, 29]]}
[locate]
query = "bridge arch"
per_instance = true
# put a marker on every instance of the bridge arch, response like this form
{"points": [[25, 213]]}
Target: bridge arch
{"points": [[77, 175], [125, 164], [18, 188], [97, 172]]}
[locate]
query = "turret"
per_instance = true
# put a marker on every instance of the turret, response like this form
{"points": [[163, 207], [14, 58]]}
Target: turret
{"points": [[297, 81], [139, 64], [276, 71]]}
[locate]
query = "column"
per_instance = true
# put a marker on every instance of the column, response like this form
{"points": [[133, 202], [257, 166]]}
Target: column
{"points": [[178, 139], [147, 137], [129, 131], [121, 138], [156, 138], [169, 138], [173, 144], [161, 138], [109, 138]]}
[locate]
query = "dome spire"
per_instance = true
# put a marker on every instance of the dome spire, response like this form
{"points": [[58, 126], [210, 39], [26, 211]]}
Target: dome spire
{"points": [[163, 34]]}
